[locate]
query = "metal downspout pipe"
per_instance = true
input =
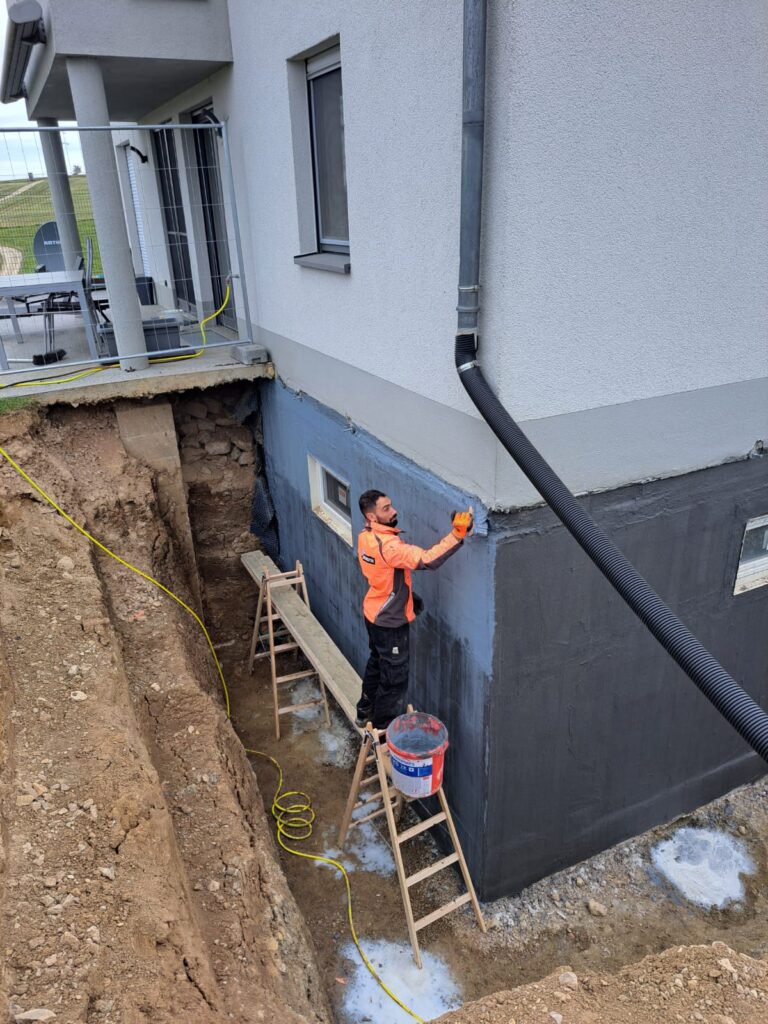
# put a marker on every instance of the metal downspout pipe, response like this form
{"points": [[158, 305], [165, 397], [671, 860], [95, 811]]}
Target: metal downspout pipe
{"points": [[736, 706]]}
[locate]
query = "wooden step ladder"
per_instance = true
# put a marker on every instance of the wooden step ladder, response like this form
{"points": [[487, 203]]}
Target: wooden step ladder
{"points": [[266, 644], [368, 790]]}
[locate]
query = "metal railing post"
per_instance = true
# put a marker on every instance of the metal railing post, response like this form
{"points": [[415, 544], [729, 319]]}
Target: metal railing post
{"points": [[230, 185]]}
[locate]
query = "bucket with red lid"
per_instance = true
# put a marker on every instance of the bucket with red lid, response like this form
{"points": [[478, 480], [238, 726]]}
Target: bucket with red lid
{"points": [[417, 744]]}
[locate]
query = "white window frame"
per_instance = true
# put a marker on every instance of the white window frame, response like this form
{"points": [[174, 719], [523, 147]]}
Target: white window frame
{"points": [[317, 66], [753, 574], [322, 508]]}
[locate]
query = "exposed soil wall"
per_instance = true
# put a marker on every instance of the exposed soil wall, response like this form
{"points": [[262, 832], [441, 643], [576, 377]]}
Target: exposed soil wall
{"points": [[139, 877]]}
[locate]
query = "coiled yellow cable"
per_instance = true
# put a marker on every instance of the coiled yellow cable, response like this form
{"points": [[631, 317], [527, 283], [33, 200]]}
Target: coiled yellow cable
{"points": [[291, 809], [294, 819]]}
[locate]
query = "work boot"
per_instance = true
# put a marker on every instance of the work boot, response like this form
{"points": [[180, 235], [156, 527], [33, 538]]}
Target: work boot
{"points": [[364, 713]]}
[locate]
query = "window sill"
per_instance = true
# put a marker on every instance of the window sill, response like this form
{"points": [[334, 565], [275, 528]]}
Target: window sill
{"points": [[343, 529], [335, 262], [752, 577]]}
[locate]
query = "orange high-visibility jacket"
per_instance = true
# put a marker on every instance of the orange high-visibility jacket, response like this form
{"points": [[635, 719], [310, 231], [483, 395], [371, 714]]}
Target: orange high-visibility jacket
{"points": [[387, 561]]}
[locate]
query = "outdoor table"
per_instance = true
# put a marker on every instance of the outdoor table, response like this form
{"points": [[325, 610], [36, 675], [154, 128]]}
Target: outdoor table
{"points": [[20, 286]]}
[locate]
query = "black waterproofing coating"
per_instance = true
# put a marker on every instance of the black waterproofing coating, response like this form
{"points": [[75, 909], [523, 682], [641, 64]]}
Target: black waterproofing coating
{"points": [[749, 720]]}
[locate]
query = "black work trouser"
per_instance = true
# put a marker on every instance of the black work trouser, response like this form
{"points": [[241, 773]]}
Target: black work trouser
{"points": [[385, 681]]}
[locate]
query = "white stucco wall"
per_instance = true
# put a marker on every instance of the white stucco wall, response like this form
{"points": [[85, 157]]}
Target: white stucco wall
{"points": [[180, 29], [627, 239], [626, 220], [394, 315], [625, 236]]}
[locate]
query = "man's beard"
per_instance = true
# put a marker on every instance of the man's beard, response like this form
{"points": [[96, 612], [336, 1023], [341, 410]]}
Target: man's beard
{"points": [[390, 522]]}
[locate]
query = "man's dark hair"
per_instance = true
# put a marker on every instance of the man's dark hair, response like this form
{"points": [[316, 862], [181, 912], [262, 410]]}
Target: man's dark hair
{"points": [[368, 499]]}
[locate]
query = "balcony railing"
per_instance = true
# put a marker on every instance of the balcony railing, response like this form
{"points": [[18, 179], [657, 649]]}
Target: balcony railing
{"points": [[116, 246]]}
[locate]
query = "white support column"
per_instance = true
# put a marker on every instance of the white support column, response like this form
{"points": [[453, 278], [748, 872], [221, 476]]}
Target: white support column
{"points": [[61, 194], [90, 101]]}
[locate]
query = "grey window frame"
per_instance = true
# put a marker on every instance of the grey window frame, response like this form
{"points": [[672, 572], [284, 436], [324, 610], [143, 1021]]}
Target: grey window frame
{"points": [[752, 572], [329, 481], [316, 67]]}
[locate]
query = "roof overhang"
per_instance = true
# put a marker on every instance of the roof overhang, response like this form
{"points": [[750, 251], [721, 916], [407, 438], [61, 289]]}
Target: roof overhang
{"points": [[134, 86], [148, 53]]}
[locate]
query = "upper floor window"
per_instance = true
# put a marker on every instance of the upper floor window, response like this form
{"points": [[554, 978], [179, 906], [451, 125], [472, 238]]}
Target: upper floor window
{"points": [[326, 112]]}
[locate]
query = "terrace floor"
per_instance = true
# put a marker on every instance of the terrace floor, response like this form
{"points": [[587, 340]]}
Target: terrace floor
{"points": [[62, 381]]}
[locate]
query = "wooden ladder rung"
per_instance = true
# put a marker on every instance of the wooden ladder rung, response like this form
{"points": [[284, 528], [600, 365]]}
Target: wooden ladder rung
{"points": [[278, 650], [286, 647], [299, 707], [368, 817], [367, 782], [369, 799], [295, 675], [421, 827], [419, 876], [442, 911]]}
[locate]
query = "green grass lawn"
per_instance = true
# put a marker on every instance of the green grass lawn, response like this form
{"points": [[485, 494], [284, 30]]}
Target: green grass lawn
{"points": [[6, 187], [21, 216]]}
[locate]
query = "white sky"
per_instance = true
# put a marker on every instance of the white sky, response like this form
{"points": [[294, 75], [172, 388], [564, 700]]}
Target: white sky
{"points": [[20, 152]]}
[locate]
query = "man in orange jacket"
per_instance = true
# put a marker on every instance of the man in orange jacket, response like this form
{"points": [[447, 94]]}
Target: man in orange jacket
{"points": [[387, 561]]}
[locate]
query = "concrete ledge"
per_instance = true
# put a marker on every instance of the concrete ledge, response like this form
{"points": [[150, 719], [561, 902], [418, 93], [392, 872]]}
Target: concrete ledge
{"points": [[148, 433], [335, 262], [155, 380]]}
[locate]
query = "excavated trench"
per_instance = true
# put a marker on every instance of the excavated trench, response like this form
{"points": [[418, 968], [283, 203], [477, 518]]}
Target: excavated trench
{"points": [[139, 876], [140, 880]]}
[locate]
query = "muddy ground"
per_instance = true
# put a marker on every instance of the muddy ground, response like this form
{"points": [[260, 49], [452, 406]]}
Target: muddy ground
{"points": [[140, 878]]}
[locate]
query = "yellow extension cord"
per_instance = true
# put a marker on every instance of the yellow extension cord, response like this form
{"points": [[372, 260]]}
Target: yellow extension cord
{"points": [[110, 366], [292, 809]]}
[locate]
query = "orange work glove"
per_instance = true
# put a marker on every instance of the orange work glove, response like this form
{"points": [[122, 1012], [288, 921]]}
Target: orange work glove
{"points": [[463, 523]]}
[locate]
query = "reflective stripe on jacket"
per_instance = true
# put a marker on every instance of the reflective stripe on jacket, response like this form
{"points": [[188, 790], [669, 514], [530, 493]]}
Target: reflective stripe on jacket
{"points": [[387, 561]]}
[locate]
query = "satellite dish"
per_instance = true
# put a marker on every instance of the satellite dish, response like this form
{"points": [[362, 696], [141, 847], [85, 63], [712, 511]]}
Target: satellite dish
{"points": [[47, 247]]}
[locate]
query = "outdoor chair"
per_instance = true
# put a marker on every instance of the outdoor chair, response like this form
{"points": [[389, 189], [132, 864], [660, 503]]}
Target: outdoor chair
{"points": [[94, 286], [48, 304]]}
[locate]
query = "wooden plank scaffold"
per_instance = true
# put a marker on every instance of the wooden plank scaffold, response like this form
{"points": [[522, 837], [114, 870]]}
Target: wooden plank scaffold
{"points": [[267, 643], [290, 607], [317, 646], [374, 754]]}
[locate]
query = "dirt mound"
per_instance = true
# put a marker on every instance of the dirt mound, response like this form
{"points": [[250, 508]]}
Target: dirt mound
{"points": [[138, 871], [712, 984]]}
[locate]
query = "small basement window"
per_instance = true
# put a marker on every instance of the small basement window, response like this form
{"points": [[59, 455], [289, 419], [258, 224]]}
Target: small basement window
{"points": [[753, 563], [330, 498]]}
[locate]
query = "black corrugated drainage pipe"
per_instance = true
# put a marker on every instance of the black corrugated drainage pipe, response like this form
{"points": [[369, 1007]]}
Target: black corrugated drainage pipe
{"points": [[749, 720]]}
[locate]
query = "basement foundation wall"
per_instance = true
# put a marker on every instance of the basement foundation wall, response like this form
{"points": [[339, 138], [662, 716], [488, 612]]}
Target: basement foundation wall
{"points": [[452, 640], [570, 727], [596, 734]]}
